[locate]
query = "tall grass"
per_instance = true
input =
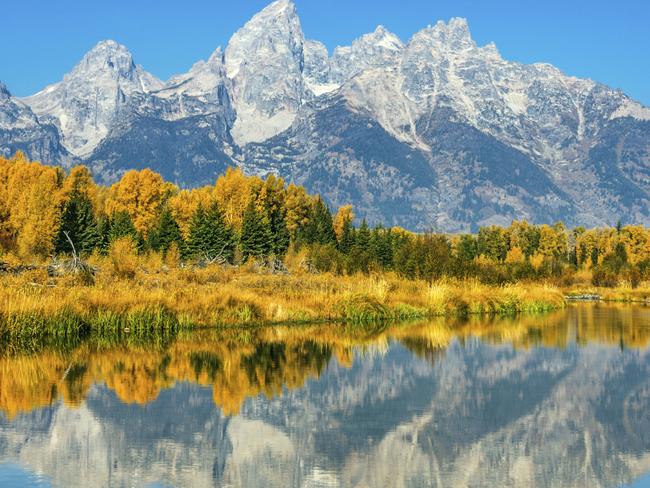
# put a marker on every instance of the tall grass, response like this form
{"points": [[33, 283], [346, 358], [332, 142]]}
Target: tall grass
{"points": [[156, 298]]}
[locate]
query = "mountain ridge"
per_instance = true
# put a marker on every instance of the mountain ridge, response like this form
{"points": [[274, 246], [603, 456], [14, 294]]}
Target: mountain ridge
{"points": [[275, 101]]}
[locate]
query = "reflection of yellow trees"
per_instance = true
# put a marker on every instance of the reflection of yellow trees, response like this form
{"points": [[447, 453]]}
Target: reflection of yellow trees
{"points": [[240, 364]]}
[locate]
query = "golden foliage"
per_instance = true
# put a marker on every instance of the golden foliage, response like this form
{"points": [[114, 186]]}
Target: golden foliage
{"points": [[141, 194], [29, 205], [123, 258], [343, 215]]}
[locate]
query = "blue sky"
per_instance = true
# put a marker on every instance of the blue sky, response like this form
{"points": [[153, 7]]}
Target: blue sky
{"points": [[608, 41]]}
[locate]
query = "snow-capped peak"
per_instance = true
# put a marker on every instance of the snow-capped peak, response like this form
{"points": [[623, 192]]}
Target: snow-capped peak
{"points": [[206, 80], [386, 39], [85, 103], [265, 60], [454, 35]]}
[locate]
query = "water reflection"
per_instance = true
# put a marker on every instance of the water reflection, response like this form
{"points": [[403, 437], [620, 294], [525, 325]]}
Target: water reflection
{"points": [[558, 400]]}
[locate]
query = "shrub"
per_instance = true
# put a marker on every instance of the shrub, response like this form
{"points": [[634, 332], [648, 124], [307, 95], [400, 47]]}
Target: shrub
{"points": [[123, 258]]}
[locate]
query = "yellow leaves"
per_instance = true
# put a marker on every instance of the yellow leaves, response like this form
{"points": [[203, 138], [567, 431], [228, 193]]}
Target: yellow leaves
{"points": [[537, 260], [185, 203], [343, 215], [515, 255], [123, 258], [552, 241], [29, 205], [233, 191], [79, 180], [297, 205], [271, 195], [141, 194]]}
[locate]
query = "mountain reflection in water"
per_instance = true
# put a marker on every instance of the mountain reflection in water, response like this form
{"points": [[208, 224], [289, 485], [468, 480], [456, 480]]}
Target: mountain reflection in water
{"points": [[554, 400]]}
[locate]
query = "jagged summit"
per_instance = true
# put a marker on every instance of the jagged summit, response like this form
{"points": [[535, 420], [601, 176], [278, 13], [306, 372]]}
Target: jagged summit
{"points": [[454, 35], [109, 57], [4, 91], [435, 131], [85, 103], [265, 61]]}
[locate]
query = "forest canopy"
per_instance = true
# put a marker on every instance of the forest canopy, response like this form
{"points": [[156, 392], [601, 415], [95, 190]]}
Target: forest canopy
{"points": [[45, 211]]}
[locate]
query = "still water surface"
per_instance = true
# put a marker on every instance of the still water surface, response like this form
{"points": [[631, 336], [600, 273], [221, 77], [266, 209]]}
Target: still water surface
{"points": [[557, 400]]}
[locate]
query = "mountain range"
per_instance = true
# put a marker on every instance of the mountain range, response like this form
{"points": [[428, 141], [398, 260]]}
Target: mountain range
{"points": [[434, 133]]}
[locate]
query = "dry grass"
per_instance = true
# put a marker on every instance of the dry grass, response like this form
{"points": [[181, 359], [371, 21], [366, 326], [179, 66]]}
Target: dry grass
{"points": [[212, 296]]}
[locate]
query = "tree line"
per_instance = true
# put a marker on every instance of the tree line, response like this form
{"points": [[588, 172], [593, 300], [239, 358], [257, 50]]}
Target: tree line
{"points": [[43, 209]]}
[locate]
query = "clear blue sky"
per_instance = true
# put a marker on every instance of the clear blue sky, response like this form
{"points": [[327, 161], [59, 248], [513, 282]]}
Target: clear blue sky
{"points": [[608, 41]]}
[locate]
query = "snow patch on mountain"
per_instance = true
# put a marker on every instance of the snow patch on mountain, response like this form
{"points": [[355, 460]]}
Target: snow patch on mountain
{"points": [[630, 108], [88, 99], [265, 61]]}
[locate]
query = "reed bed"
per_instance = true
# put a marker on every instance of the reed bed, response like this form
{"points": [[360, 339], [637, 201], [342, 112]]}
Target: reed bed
{"points": [[161, 299]]}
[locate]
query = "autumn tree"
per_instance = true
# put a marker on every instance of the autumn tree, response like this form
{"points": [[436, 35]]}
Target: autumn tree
{"points": [[142, 195]]}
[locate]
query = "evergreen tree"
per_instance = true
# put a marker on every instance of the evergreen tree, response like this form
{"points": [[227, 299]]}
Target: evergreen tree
{"points": [[122, 226], [279, 232], [103, 233], [347, 237], [467, 248], [78, 221], [362, 239], [255, 234], [320, 226], [210, 236], [381, 245], [165, 233]]}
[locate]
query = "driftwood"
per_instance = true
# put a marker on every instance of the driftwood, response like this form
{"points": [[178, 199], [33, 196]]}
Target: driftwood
{"points": [[308, 266], [5, 268], [75, 266], [271, 265], [207, 260]]}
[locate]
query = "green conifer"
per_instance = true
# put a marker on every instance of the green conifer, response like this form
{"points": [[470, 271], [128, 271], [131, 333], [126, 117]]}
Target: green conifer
{"points": [[210, 236], [255, 235], [78, 221]]}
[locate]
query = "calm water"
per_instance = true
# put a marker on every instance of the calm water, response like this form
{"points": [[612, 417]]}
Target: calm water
{"points": [[560, 400]]}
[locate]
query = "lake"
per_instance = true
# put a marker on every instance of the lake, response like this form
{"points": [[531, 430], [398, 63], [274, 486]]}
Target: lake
{"points": [[555, 400]]}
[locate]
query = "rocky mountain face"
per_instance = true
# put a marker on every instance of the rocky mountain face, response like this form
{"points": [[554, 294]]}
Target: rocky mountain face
{"points": [[21, 130], [433, 133]]}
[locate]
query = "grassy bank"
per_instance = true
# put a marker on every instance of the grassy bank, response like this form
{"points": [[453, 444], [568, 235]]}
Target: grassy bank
{"points": [[158, 298]]}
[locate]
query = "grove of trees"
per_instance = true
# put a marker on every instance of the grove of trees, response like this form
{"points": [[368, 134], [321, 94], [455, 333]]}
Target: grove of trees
{"points": [[243, 218]]}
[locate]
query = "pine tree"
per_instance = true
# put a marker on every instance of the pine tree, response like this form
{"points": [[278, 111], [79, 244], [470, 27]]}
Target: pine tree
{"points": [[320, 227], [381, 245], [255, 235], [210, 236], [103, 233], [279, 233], [347, 237], [165, 233], [78, 222], [362, 240], [122, 226]]}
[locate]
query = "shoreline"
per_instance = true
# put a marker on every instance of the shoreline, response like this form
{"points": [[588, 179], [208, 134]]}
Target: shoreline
{"points": [[33, 303]]}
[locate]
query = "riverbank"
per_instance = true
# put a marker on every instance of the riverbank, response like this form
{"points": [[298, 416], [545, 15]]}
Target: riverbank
{"points": [[33, 302], [621, 294]]}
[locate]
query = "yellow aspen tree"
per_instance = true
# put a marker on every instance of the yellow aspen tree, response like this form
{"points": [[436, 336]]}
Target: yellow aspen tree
{"points": [[515, 255], [298, 205], [233, 191], [32, 198], [185, 203], [141, 194], [343, 215]]}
